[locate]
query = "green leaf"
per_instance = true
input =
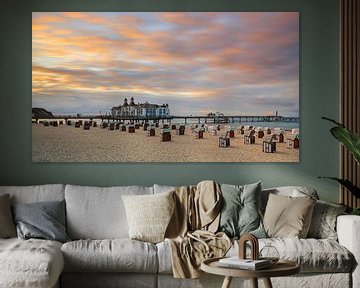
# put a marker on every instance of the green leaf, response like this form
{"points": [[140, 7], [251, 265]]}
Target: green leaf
{"points": [[347, 184], [349, 139]]}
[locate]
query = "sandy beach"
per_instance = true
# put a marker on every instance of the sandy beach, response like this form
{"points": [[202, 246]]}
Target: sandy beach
{"points": [[68, 144]]}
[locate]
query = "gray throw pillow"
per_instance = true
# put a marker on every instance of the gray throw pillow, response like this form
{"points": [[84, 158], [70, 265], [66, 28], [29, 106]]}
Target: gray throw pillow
{"points": [[240, 213], [7, 227], [323, 222], [44, 220]]}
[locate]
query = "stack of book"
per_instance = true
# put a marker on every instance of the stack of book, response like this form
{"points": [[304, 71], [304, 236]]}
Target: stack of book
{"points": [[248, 264]]}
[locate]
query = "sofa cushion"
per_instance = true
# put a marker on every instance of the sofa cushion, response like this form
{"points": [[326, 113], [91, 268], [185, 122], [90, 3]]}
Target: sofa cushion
{"points": [[287, 216], [98, 213], [36, 193], [240, 210], [7, 227], [313, 255], [43, 220], [30, 263], [291, 191], [149, 215], [117, 255], [323, 222]]}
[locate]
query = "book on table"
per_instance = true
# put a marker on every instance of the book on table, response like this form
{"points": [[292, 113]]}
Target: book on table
{"points": [[249, 264]]}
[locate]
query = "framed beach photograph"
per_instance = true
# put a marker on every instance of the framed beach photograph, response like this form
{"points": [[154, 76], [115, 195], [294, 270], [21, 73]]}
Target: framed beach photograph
{"points": [[165, 87]]}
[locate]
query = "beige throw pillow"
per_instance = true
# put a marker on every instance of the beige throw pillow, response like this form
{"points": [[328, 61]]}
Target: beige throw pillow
{"points": [[7, 226], [288, 217], [149, 215]]}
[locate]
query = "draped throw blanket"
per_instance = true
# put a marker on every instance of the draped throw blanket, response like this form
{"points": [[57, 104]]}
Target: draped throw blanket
{"points": [[191, 231]]}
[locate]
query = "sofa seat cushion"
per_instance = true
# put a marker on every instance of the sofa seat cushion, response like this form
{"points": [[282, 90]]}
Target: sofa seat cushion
{"points": [[313, 255], [30, 263], [115, 255]]}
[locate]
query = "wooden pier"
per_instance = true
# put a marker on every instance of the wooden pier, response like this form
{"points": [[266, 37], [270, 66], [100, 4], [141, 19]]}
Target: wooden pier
{"points": [[199, 119]]}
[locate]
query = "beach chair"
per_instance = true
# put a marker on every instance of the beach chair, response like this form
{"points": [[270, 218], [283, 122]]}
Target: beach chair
{"points": [[46, 123], [249, 137], [267, 130], [173, 127], [180, 130], [278, 136], [150, 131], [87, 126], [54, 123], [146, 125], [212, 130], [165, 135], [269, 145], [68, 122], [131, 129], [61, 122], [123, 128], [104, 125], [77, 124], [94, 124], [199, 133], [137, 126], [112, 127], [117, 126], [293, 141], [224, 141], [231, 132]]}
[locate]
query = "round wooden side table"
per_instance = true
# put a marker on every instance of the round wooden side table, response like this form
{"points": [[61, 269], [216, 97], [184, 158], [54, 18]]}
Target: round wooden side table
{"points": [[281, 268]]}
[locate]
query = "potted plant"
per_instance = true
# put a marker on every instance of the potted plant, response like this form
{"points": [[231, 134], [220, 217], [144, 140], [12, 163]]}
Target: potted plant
{"points": [[351, 141]]}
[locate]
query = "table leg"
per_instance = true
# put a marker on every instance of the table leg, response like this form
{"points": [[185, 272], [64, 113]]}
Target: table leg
{"points": [[227, 282], [254, 282], [267, 283]]}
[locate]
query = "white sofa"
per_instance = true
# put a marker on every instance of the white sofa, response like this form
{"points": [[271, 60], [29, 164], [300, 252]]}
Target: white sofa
{"points": [[101, 255]]}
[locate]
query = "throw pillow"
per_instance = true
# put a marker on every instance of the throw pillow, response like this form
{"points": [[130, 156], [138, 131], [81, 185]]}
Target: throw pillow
{"points": [[323, 222], [43, 220], [7, 227], [288, 217], [240, 213], [149, 215]]}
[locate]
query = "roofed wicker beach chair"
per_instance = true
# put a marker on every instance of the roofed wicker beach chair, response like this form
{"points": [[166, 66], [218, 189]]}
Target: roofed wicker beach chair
{"points": [[131, 128], [224, 140], [199, 133], [165, 135], [293, 141], [240, 130], [249, 137], [150, 131], [180, 130], [269, 145], [278, 136], [212, 130]]}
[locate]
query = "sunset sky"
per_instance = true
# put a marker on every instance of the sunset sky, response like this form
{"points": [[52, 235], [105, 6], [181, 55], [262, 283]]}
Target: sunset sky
{"points": [[235, 63]]}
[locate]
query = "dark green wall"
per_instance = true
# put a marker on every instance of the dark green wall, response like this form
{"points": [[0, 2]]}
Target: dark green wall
{"points": [[318, 96]]}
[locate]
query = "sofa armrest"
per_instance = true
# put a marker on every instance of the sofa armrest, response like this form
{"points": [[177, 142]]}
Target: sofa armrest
{"points": [[348, 230]]}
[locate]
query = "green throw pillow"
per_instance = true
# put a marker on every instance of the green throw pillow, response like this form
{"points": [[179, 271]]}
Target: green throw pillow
{"points": [[240, 213]]}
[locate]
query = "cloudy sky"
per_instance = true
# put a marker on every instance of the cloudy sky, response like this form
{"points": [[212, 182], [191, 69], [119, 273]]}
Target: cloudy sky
{"points": [[236, 63]]}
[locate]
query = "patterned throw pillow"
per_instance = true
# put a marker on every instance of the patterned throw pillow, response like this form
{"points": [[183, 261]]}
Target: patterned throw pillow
{"points": [[323, 223], [7, 226], [288, 217], [240, 213], [149, 215]]}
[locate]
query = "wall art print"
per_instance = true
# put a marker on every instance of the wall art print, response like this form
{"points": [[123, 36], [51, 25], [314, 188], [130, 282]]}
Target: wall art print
{"points": [[165, 87]]}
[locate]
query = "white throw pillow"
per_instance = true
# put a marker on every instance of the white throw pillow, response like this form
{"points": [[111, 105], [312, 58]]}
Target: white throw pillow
{"points": [[149, 215]]}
